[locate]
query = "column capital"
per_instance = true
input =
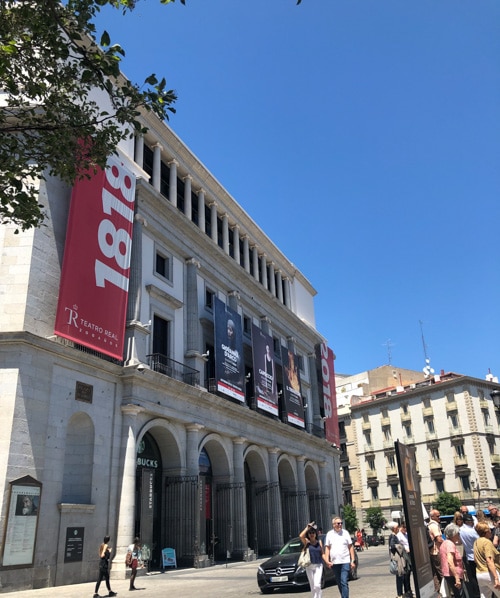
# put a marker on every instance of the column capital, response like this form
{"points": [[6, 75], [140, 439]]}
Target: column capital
{"points": [[265, 319], [301, 459], [174, 162], [234, 294], [131, 409], [273, 450], [200, 191], [191, 261], [140, 218], [239, 440], [291, 339], [194, 427], [157, 145], [236, 227], [211, 203], [186, 177]]}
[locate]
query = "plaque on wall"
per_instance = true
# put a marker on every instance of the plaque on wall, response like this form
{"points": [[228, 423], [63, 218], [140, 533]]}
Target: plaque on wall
{"points": [[73, 550]]}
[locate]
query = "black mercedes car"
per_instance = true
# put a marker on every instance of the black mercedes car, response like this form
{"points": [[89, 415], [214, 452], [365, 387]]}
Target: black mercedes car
{"points": [[282, 571]]}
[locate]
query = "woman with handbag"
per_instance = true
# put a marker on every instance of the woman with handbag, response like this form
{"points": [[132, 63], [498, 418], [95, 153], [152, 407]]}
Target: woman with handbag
{"points": [[312, 552], [487, 560], [399, 562]]}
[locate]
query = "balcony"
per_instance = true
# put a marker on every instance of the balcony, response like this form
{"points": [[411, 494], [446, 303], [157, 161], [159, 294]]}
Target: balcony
{"points": [[495, 459], [385, 422], [435, 464], [387, 444], [455, 430], [428, 412], [371, 474], [366, 426], [173, 369], [431, 435], [483, 404], [405, 417], [391, 472], [460, 461], [451, 406]]}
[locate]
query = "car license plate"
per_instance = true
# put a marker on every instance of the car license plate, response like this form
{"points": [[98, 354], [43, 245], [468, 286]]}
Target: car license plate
{"points": [[279, 579]]}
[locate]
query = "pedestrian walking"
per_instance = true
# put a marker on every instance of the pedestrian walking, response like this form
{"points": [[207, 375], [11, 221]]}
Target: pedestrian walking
{"points": [[314, 572], [135, 555], [339, 555], [104, 566]]}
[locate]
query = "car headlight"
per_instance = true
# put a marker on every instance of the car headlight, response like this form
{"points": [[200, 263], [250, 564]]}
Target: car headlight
{"points": [[260, 570], [299, 570]]}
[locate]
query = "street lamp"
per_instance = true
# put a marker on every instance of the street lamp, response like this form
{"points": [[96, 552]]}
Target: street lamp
{"points": [[495, 395]]}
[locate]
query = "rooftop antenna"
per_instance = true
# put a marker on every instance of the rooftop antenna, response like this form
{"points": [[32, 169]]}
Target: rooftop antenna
{"points": [[389, 345], [428, 371]]}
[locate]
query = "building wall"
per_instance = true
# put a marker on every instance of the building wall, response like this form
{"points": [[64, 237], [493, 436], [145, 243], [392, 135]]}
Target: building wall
{"points": [[76, 421], [452, 422]]}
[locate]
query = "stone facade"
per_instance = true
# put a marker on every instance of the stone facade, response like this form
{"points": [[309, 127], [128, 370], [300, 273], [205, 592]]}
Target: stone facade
{"points": [[126, 447]]}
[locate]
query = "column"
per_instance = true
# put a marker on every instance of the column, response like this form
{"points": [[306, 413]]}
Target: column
{"points": [[188, 210], [272, 279], [213, 222], [236, 243], [246, 254], [201, 210], [139, 151], [287, 293], [303, 501], [126, 513], [225, 233], [157, 149], [263, 267], [276, 540], [255, 258], [192, 449], [193, 332], [136, 334], [239, 530], [172, 182], [313, 411], [279, 283]]}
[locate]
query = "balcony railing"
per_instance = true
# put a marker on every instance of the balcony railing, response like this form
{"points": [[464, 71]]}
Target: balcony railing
{"points": [[460, 461], [173, 369], [436, 464]]}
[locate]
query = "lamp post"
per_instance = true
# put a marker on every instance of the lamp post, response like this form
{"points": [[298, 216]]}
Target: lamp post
{"points": [[495, 395]]}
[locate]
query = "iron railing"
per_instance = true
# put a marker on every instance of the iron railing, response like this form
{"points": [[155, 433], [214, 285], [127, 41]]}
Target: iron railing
{"points": [[174, 369]]}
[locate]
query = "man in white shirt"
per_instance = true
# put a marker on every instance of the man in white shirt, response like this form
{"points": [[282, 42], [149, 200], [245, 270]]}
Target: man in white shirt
{"points": [[468, 535], [339, 555]]}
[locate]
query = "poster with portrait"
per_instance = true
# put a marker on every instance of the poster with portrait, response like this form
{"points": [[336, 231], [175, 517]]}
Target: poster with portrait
{"points": [[22, 522], [292, 391], [264, 367], [229, 362], [412, 505]]}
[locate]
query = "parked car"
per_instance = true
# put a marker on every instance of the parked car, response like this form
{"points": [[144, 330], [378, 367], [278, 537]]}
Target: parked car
{"points": [[373, 540], [282, 570]]}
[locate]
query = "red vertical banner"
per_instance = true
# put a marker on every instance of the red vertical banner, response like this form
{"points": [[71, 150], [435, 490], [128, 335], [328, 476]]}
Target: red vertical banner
{"points": [[326, 379], [94, 281]]}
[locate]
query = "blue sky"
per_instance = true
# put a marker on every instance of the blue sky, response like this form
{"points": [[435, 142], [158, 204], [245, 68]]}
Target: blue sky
{"points": [[363, 136]]}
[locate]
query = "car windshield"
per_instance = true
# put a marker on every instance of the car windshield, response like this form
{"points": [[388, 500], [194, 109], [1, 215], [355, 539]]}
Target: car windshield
{"points": [[291, 547]]}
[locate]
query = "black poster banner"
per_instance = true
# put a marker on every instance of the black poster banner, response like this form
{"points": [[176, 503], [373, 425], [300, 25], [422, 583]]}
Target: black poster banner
{"points": [[292, 391], [73, 551], [264, 364], [229, 364], [147, 505], [414, 518]]}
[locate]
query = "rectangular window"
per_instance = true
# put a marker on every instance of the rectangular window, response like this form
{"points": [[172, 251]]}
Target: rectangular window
{"points": [[147, 165], [277, 346], [247, 325], [374, 493], [440, 486], [180, 194], [164, 180], [209, 298], [430, 425], [160, 336], [194, 208], [162, 265], [459, 449], [435, 453], [387, 433], [465, 481], [391, 461], [394, 491]]}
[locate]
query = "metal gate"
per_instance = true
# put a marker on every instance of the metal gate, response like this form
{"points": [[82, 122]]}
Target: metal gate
{"points": [[319, 509], [182, 517], [229, 518]]}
